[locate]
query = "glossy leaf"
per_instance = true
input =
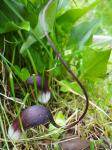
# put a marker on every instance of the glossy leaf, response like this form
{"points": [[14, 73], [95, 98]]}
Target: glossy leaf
{"points": [[11, 26], [50, 19], [38, 30], [94, 63], [82, 33], [71, 16]]}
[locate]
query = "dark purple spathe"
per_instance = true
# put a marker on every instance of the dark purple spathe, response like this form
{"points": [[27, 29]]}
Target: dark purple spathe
{"points": [[42, 83], [33, 116]]}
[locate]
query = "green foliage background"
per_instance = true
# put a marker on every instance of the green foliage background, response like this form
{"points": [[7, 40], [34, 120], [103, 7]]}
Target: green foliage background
{"points": [[71, 25]]}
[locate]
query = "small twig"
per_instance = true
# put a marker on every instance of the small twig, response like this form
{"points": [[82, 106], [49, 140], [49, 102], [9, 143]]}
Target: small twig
{"points": [[13, 99], [9, 112], [71, 117]]}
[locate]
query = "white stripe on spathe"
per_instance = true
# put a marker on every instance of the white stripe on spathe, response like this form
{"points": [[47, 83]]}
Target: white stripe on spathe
{"points": [[13, 135], [44, 97]]}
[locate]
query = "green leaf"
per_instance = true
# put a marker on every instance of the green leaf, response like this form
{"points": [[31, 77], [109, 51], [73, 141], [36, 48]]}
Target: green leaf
{"points": [[11, 26], [56, 147], [30, 40], [14, 7], [11, 17], [60, 119], [38, 30], [63, 5], [23, 73], [71, 16], [49, 20], [57, 71], [94, 63], [67, 86], [24, 2], [81, 34]]}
